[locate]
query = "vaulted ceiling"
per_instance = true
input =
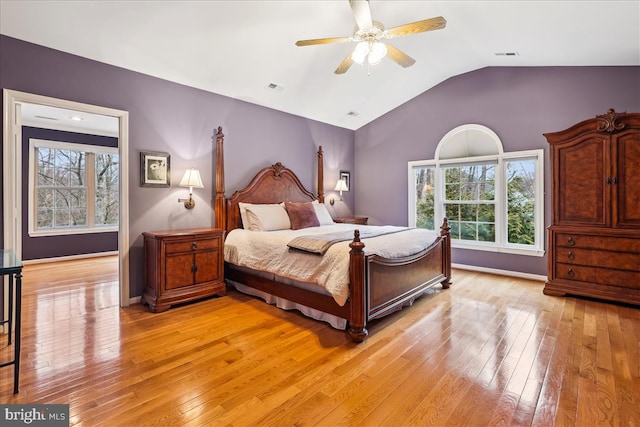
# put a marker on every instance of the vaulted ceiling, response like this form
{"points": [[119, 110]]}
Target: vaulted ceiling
{"points": [[246, 49]]}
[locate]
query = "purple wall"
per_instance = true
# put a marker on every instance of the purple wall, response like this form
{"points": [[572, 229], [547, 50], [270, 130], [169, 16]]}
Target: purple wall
{"points": [[169, 117], [519, 104]]}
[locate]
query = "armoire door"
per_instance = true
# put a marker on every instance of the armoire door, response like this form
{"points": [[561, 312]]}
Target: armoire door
{"points": [[580, 183], [627, 180]]}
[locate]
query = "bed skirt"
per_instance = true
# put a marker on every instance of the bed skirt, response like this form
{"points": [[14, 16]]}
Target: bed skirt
{"points": [[334, 321]]}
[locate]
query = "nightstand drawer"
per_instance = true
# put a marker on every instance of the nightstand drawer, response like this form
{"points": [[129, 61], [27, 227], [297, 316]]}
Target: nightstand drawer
{"points": [[191, 245]]}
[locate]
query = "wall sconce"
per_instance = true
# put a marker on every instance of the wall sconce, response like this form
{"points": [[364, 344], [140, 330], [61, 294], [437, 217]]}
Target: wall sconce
{"points": [[192, 180], [340, 186]]}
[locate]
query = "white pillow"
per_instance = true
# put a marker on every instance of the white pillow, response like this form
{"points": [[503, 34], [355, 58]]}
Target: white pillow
{"points": [[243, 214], [324, 217], [267, 217]]}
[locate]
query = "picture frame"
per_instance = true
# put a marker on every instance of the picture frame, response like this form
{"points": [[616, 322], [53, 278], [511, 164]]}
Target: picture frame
{"points": [[155, 169], [346, 177]]}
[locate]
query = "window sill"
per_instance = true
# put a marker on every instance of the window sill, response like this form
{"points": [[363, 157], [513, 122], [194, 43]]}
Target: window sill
{"points": [[457, 244], [67, 232]]}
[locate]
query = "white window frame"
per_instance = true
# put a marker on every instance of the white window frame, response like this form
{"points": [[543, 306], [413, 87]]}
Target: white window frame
{"points": [[501, 244], [89, 183]]}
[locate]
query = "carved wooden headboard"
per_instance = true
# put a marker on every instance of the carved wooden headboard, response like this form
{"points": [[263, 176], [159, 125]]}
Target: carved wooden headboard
{"points": [[273, 184]]}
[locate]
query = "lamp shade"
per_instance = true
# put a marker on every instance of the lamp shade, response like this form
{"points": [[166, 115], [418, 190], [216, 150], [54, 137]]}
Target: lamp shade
{"points": [[341, 186], [191, 178]]}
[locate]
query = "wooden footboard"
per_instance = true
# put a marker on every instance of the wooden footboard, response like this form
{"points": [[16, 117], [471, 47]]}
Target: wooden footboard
{"points": [[380, 286]]}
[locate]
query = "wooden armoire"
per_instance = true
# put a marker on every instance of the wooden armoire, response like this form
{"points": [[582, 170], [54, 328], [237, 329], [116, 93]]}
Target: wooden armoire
{"points": [[594, 237]]}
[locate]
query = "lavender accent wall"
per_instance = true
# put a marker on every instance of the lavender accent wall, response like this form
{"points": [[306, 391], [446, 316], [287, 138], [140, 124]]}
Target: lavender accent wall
{"points": [[519, 104], [173, 118]]}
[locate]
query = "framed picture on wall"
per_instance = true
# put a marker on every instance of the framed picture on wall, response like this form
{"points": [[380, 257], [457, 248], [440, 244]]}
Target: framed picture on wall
{"points": [[346, 177], [155, 169]]}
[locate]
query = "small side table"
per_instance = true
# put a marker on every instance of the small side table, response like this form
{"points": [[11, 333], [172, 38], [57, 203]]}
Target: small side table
{"points": [[12, 266], [362, 220]]}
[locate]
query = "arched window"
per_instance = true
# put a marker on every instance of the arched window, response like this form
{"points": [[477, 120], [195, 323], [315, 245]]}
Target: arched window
{"points": [[493, 200]]}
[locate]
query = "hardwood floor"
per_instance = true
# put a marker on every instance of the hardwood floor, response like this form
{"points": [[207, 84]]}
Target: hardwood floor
{"points": [[490, 350]]}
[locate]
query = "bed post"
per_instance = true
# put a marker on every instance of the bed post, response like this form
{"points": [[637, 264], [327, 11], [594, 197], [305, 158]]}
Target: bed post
{"points": [[320, 175], [220, 201], [446, 256], [357, 297]]}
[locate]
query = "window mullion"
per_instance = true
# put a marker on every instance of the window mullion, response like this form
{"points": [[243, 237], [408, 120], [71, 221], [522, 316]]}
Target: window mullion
{"points": [[90, 188]]}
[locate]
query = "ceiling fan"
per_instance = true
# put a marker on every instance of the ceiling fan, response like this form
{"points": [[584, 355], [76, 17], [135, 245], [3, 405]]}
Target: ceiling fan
{"points": [[369, 33]]}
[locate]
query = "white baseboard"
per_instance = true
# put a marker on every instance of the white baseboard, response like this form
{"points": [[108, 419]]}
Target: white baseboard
{"points": [[68, 258], [501, 272]]}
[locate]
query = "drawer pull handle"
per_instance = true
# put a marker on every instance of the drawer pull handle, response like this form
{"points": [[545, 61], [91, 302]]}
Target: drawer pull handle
{"points": [[571, 242], [571, 255], [194, 246], [194, 268], [571, 273]]}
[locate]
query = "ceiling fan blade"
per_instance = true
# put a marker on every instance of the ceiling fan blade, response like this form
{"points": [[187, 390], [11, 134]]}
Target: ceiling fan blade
{"points": [[344, 65], [322, 41], [399, 57], [416, 27], [362, 13]]}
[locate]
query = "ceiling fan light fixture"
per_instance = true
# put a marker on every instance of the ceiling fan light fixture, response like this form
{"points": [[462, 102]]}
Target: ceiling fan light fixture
{"points": [[360, 52], [377, 52], [373, 52]]}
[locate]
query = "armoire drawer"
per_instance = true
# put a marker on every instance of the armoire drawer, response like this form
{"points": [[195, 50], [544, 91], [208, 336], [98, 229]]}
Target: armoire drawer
{"points": [[598, 275], [598, 258], [611, 243]]}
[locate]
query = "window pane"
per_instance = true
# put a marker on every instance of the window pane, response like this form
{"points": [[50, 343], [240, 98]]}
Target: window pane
{"points": [[521, 201], [486, 232], [45, 218], [45, 166], [452, 211], [107, 191], [468, 231], [455, 229], [486, 213]]}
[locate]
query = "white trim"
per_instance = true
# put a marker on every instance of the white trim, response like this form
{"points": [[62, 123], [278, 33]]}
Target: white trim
{"points": [[69, 258], [12, 136], [509, 273]]}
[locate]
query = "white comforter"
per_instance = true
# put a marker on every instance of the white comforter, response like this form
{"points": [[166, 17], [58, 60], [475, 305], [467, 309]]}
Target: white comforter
{"points": [[268, 251]]}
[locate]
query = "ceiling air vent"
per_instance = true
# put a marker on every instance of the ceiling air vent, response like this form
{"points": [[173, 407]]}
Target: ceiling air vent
{"points": [[506, 54], [276, 87]]}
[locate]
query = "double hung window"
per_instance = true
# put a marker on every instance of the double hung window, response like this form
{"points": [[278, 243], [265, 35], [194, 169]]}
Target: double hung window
{"points": [[73, 188]]}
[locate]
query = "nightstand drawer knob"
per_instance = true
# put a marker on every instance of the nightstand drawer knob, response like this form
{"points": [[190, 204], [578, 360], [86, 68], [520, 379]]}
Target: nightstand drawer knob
{"points": [[194, 246], [571, 273], [571, 242], [571, 255], [194, 268]]}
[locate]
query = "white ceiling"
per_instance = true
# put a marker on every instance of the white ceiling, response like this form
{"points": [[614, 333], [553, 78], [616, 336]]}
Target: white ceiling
{"points": [[238, 48]]}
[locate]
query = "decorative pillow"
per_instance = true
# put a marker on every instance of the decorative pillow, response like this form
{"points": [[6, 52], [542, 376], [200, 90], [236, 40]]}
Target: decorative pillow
{"points": [[302, 215], [265, 217], [324, 217]]}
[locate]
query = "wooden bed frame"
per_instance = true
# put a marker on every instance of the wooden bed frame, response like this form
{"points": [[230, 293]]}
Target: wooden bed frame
{"points": [[377, 287]]}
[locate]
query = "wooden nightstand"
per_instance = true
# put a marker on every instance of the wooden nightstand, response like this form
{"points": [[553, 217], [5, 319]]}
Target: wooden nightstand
{"points": [[182, 265], [352, 220]]}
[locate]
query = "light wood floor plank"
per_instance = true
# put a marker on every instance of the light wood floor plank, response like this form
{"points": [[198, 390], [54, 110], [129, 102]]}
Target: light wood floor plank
{"points": [[489, 351]]}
